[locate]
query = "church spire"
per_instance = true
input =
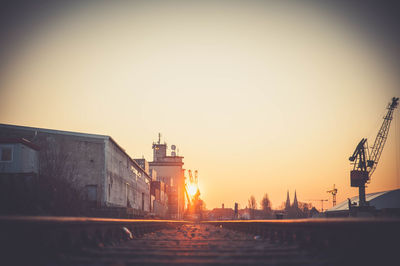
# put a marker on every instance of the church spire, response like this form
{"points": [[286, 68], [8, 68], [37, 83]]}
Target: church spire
{"points": [[287, 205], [295, 203]]}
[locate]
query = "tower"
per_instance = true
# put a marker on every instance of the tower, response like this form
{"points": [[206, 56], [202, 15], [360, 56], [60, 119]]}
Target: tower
{"points": [[170, 171], [287, 205], [159, 150], [295, 203], [333, 192]]}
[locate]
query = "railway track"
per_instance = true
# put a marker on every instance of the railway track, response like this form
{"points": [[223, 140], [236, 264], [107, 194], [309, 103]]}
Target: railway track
{"points": [[94, 241]]}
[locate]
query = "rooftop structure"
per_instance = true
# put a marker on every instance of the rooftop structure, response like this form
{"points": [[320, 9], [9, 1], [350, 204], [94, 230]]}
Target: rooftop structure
{"points": [[170, 171]]}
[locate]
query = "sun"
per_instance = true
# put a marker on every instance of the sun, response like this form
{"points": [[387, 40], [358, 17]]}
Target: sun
{"points": [[192, 189]]}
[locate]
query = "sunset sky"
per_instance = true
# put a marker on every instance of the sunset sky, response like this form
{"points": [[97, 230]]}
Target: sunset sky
{"points": [[259, 98]]}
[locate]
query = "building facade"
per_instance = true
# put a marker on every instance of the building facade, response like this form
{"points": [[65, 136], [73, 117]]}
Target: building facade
{"points": [[95, 164], [159, 199], [19, 168], [170, 171]]}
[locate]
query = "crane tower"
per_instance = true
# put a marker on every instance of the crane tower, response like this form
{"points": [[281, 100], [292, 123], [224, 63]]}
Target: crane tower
{"points": [[333, 192], [364, 160]]}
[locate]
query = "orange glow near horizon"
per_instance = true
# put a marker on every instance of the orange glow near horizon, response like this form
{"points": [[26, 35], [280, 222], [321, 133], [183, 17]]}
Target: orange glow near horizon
{"points": [[260, 98], [192, 189]]}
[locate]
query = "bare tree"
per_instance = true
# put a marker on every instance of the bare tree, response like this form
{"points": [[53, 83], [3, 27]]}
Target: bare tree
{"points": [[252, 203], [57, 193], [252, 206], [266, 204]]}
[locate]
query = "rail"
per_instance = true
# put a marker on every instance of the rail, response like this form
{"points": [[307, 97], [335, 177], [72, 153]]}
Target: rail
{"points": [[32, 236], [359, 239]]}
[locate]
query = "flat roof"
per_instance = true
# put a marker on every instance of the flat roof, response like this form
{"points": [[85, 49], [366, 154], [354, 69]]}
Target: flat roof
{"points": [[53, 131], [19, 140], [77, 134]]}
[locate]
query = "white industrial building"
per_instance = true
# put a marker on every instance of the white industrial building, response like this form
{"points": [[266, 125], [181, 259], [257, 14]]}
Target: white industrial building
{"points": [[170, 171], [385, 203], [95, 164]]}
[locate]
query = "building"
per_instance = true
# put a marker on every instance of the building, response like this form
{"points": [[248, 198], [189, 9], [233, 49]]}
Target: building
{"points": [[18, 156], [95, 164], [144, 164], [287, 204], [386, 203], [221, 214], [159, 199], [295, 210], [169, 170], [19, 168]]}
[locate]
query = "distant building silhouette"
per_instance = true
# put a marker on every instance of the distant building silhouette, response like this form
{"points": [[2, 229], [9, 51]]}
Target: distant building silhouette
{"points": [[297, 209], [295, 203], [221, 214], [287, 205]]}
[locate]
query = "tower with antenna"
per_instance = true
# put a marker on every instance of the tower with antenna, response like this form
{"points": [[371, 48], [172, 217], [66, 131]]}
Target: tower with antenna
{"points": [[159, 150], [170, 171]]}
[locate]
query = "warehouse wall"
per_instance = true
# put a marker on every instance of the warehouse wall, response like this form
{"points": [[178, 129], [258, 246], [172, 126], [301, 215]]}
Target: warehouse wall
{"points": [[127, 184], [78, 158]]}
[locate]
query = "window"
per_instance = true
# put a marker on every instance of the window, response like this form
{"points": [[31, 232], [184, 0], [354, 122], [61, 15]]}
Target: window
{"points": [[6, 154], [91, 191]]}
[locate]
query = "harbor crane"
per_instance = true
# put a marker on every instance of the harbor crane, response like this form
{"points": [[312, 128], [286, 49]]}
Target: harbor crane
{"points": [[191, 186], [365, 160], [333, 192]]}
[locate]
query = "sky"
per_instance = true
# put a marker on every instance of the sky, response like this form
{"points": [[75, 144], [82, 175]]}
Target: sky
{"points": [[259, 97]]}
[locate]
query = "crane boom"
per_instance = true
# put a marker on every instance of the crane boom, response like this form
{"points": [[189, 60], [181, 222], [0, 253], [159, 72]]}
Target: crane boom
{"points": [[364, 161], [380, 140]]}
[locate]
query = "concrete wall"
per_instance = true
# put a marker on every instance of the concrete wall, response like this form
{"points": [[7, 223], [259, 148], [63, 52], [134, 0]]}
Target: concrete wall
{"points": [[79, 158], [29, 160], [173, 176], [127, 184], [144, 164], [160, 210], [95, 165]]}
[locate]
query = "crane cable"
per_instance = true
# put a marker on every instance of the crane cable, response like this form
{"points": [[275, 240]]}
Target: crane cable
{"points": [[372, 135], [377, 125]]}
